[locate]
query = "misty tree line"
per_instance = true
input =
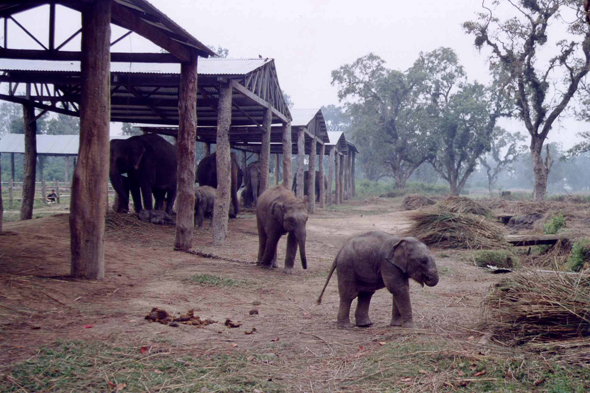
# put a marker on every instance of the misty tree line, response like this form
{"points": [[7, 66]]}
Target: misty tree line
{"points": [[432, 119]]}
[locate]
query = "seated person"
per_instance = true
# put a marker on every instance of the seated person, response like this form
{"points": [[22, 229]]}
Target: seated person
{"points": [[52, 197]]}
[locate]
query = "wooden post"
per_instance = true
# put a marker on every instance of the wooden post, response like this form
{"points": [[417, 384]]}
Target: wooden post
{"points": [[265, 151], [337, 200], [30, 163], [287, 155], [341, 178], [223, 161], [91, 175], [42, 178], [1, 198], [11, 192], [56, 187], [300, 160], [331, 163], [187, 137], [277, 170], [322, 177], [66, 169], [311, 177], [352, 175], [207, 149]]}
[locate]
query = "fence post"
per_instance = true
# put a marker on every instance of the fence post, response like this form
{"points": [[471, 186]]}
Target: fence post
{"points": [[56, 186]]}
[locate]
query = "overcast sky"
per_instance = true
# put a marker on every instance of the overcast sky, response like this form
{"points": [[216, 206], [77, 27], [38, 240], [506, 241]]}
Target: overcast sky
{"points": [[310, 38]]}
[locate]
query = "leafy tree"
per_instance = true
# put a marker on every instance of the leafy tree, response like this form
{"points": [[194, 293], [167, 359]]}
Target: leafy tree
{"points": [[288, 100], [63, 125], [336, 118], [128, 129], [505, 150], [542, 90], [220, 51]]}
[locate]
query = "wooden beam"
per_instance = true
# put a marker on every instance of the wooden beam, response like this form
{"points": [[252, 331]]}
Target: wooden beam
{"points": [[223, 160], [247, 93], [287, 154], [311, 178], [300, 159], [187, 135], [265, 152], [57, 55], [91, 176], [331, 163], [534, 240], [341, 179], [30, 163]]}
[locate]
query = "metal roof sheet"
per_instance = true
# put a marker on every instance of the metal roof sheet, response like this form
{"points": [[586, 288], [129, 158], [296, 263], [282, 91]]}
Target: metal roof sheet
{"points": [[56, 145], [207, 66]]}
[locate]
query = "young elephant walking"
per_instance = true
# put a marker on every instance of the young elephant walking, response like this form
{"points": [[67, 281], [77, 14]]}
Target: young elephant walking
{"points": [[204, 202], [376, 260], [278, 212]]}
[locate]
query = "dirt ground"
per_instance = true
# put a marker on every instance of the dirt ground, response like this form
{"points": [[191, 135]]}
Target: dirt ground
{"points": [[39, 304]]}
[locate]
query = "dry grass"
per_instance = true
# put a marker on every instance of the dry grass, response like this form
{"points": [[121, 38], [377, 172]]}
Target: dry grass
{"points": [[463, 205], [454, 230], [539, 307], [416, 201], [116, 222], [554, 257]]}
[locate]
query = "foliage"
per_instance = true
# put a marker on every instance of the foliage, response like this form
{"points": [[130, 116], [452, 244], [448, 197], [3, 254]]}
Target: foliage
{"points": [[580, 255], [366, 188], [498, 258], [215, 281], [541, 90], [336, 118], [288, 100], [63, 125], [220, 51], [555, 223], [128, 129]]}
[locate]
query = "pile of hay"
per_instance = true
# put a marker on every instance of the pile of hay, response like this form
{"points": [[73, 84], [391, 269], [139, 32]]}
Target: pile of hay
{"points": [[453, 230], [539, 307], [463, 205], [554, 257], [119, 221], [416, 201]]}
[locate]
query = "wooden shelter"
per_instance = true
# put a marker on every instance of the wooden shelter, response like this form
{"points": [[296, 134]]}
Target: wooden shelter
{"points": [[93, 105], [342, 167]]}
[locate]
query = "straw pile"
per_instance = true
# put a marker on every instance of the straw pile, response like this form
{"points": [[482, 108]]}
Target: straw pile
{"points": [[416, 201], [117, 222], [539, 307], [463, 205], [453, 230]]}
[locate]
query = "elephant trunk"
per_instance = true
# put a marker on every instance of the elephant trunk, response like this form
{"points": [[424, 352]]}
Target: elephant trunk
{"points": [[301, 240], [432, 281]]}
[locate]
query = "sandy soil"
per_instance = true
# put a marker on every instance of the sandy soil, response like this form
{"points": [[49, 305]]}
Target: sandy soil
{"points": [[39, 303]]}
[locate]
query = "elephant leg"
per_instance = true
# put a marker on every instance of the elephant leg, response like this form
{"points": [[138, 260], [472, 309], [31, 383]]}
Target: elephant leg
{"points": [[396, 317], [270, 250], [146, 193], [343, 319], [291, 253], [261, 241], [403, 305], [170, 199], [362, 309]]}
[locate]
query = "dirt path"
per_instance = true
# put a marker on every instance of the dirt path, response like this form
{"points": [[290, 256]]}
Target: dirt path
{"points": [[38, 304]]}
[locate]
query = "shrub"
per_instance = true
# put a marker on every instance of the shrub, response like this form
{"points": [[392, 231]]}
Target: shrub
{"points": [[555, 223], [580, 255], [498, 258]]}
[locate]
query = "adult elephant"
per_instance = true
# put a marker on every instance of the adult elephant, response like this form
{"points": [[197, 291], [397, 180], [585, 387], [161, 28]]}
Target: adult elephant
{"points": [[252, 184], [306, 180], [143, 165], [375, 260], [278, 213], [207, 176]]}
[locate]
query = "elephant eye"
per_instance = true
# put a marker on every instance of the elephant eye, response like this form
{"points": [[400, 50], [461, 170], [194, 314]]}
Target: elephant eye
{"points": [[425, 261]]}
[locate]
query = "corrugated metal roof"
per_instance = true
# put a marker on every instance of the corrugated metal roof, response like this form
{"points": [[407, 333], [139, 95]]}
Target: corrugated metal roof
{"points": [[211, 66], [57, 145]]}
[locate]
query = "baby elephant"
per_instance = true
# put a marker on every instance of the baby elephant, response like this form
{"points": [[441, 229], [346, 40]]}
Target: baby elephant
{"points": [[375, 260], [204, 202]]}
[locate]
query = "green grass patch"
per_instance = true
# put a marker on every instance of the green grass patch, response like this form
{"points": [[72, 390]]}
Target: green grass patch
{"points": [[216, 281], [497, 258], [366, 188], [580, 255], [555, 223], [78, 366]]}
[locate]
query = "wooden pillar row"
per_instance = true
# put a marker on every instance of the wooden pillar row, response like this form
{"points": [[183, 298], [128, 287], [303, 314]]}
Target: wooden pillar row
{"points": [[337, 200], [265, 151], [91, 176], [300, 161], [311, 177], [341, 178], [30, 163], [187, 136], [322, 177], [223, 161], [331, 163], [287, 155]]}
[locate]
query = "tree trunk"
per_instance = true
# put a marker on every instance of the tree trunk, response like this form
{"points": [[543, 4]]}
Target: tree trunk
{"points": [[287, 155], [311, 177], [265, 151], [30, 163], [541, 168], [223, 160], [91, 176], [187, 136], [331, 163], [300, 159], [322, 177]]}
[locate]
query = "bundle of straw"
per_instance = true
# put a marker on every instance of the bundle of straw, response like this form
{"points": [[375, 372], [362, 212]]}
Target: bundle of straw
{"points": [[416, 201], [453, 230], [539, 307], [116, 221], [463, 205]]}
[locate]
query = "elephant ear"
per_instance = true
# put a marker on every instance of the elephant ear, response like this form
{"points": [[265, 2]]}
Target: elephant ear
{"points": [[391, 248], [277, 210]]}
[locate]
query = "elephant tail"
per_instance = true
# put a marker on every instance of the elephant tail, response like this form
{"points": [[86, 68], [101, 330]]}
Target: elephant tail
{"points": [[319, 301]]}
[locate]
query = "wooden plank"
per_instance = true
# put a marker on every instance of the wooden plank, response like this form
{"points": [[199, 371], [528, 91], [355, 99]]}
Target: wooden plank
{"points": [[187, 135], [116, 57], [287, 154], [265, 152], [534, 240], [91, 175]]}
